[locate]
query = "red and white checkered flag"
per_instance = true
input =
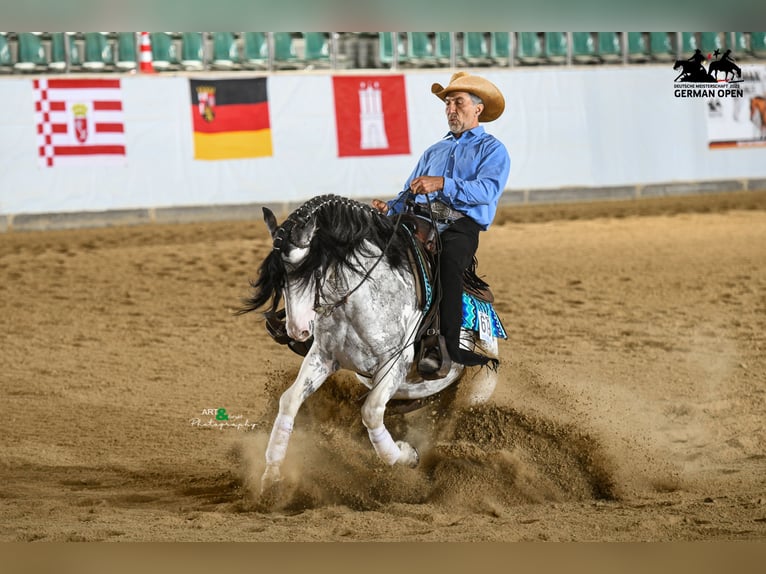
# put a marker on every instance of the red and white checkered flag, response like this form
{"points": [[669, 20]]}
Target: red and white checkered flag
{"points": [[79, 122]]}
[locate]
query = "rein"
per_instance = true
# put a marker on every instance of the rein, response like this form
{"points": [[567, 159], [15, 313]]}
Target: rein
{"points": [[327, 309]]}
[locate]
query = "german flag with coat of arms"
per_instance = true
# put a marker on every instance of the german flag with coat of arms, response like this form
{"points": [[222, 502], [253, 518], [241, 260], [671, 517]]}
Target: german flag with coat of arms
{"points": [[230, 119]]}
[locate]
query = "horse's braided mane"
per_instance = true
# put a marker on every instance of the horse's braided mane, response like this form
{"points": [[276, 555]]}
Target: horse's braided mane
{"points": [[345, 230]]}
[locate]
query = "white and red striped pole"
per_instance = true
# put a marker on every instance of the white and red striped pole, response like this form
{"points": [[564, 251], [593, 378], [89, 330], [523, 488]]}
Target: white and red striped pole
{"points": [[146, 65]]}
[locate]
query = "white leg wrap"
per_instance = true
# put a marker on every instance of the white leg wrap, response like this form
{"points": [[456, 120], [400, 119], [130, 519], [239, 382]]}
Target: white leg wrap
{"points": [[280, 436], [384, 445]]}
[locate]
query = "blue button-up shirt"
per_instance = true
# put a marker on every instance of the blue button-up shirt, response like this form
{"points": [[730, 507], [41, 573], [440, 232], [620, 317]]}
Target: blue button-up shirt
{"points": [[475, 168]]}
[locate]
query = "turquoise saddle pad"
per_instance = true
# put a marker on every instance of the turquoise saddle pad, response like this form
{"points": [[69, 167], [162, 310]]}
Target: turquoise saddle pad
{"points": [[471, 309]]}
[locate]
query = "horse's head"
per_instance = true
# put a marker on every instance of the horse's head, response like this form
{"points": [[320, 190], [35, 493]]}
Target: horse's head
{"points": [[291, 245]]}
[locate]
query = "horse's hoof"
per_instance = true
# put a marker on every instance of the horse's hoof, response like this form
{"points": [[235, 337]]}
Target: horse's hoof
{"points": [[410, 456], [270, 480]]}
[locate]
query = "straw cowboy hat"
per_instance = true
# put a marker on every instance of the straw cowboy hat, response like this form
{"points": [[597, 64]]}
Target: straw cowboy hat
{"points": [[494, 103]]}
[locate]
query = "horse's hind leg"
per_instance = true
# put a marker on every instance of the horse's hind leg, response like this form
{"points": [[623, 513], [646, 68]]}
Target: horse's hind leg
{"points": [[314, 371], [373, 411], [478, 384]]}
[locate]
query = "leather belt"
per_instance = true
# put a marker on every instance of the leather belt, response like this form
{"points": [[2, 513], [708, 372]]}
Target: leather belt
{"points": [[443, 213]]}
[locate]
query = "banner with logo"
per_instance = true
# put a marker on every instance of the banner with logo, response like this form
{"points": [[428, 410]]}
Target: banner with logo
{"points": [[739, 122], [230, 119], [79, 122], [371, 115]]}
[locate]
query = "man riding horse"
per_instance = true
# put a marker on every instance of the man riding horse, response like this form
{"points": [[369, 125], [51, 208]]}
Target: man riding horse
{"points": [[461, 178]]}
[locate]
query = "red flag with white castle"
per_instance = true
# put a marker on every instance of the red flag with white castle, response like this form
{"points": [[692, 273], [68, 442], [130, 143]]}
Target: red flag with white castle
{"points": [[79, 122], [371, 115]]}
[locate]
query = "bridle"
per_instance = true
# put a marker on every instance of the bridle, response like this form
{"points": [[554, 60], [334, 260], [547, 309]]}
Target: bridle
{"points": [[287, 230]]}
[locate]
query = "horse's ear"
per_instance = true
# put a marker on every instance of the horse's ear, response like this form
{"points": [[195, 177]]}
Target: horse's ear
{"points": [[271, 220], [301, 236]]}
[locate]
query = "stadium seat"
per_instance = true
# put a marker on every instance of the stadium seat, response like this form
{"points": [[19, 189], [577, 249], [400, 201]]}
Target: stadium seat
{"points": [[475, 49], [530, 48], [31, 53], [661, 47], [637, 48], [63, 43], [385, 48], [127, 55], [256, 45], [737, 41], [164, 51], [6, 62], [710, 42], [584, 48], [609, 47], [98, 52], [225, 53], [193, 50], [317, 49], [285, 56], [500, 48], [420, 50], [443, 48], [688, 44], [556, 47], [758, 44]]}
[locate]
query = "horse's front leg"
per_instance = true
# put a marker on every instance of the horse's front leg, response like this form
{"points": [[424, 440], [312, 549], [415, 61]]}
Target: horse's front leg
{"points": [[313, 372], [373, 411]]}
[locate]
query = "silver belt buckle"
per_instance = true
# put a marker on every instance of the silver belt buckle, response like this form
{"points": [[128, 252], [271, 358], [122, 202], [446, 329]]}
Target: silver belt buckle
{"points": [[443, 211]]}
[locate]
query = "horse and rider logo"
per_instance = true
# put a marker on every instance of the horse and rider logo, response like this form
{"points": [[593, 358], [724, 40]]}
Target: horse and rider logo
{"points": [[693, 69], [694, 80]]}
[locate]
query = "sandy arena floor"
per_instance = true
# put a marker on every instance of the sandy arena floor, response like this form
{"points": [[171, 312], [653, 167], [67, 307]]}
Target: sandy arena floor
{"points": [[631, 403]]}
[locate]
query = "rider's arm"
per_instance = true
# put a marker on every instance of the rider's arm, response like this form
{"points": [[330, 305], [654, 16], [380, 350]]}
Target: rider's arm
{"points": [[486, 173]]}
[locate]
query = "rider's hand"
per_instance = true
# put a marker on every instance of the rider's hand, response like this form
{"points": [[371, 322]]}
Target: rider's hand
{"points": [[381, 206], [425, 184]]}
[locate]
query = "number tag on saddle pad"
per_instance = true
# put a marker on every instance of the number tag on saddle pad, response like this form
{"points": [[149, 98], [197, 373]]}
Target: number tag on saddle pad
{"points": [[485, 326]]}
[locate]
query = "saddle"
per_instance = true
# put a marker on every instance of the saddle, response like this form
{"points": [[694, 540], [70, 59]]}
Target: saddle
{"points": [[432, 359]]}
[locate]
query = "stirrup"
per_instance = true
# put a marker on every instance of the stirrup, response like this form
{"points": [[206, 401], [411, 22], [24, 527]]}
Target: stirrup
{"points": [[433, 359]]}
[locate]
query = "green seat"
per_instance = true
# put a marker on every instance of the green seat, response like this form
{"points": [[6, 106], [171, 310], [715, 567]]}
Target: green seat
{"points": [[661, 47], [225, 53], [556, 47], [530, 48], [63, 44], [98, 52], [609, 46], [31, 54], [584, 48], [638, 51], [256, 47], [127, 52], [475, 49], [5, 52], [500, 48], [386, 51], [758, 44], [317, 49], [285, 55], [710, 42], [737, 41], [443, 48], [164, 51], [192, 51], [420, 50], [688, 44]]}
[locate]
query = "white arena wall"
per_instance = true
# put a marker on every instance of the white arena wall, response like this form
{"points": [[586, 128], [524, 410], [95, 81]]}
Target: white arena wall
{"points": [[572, 133]]}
